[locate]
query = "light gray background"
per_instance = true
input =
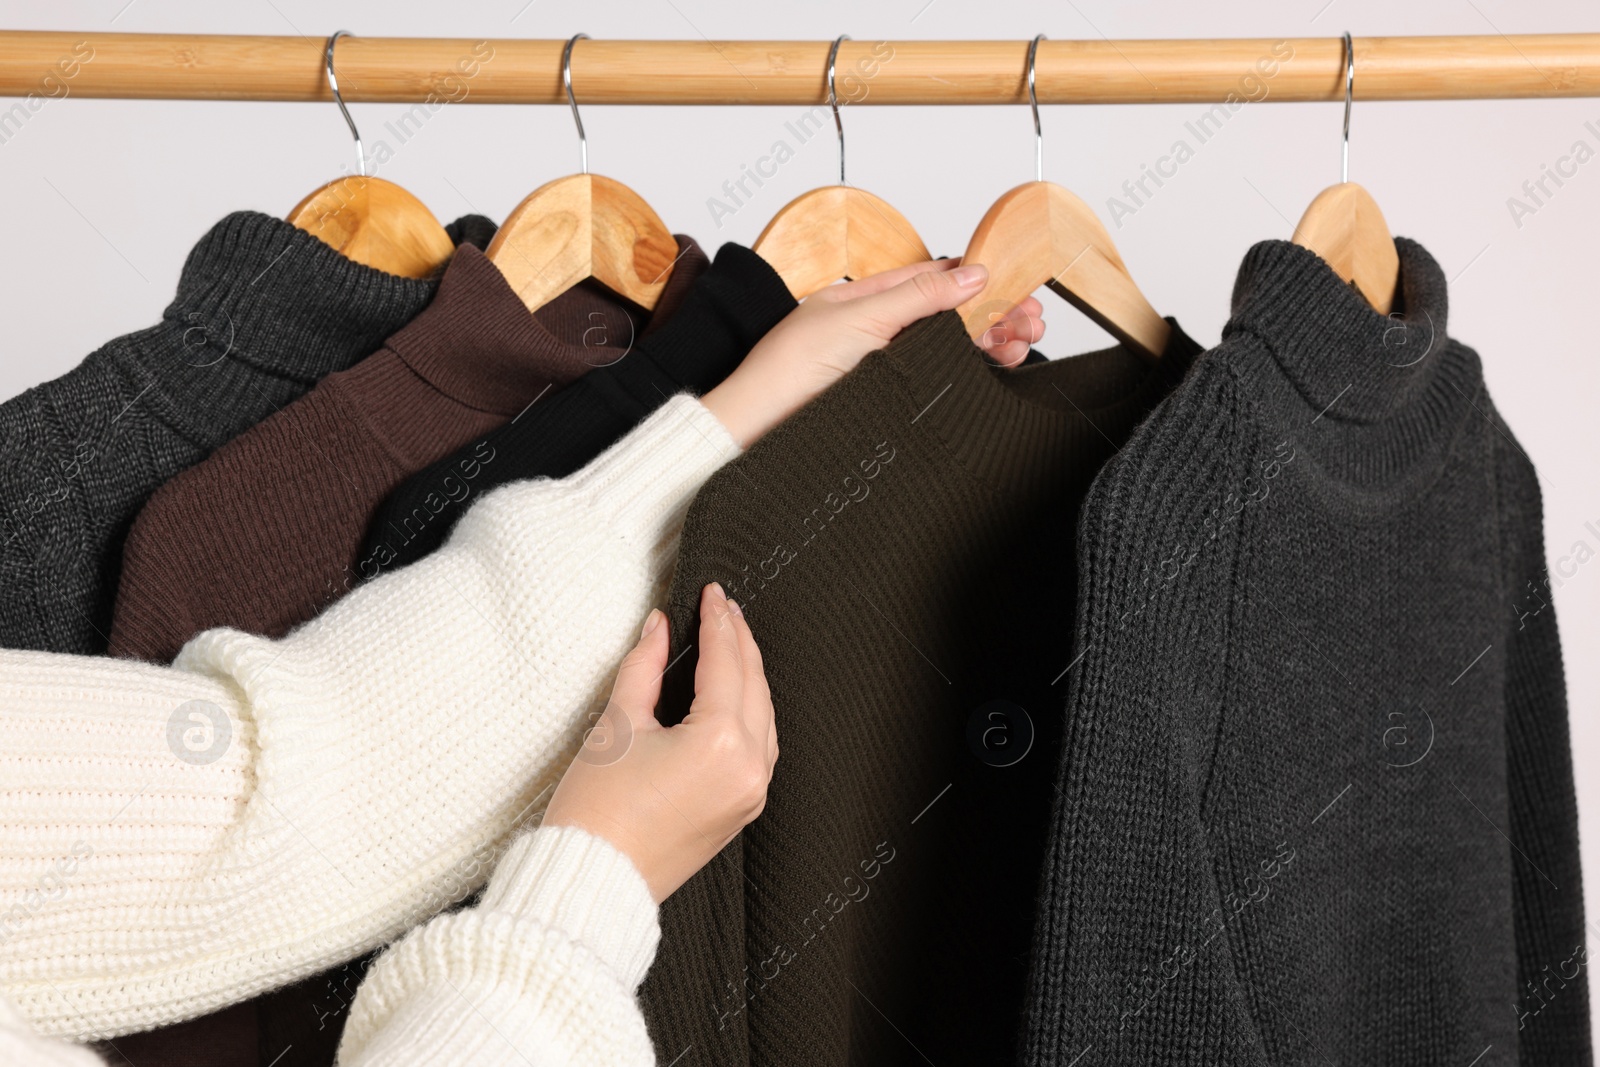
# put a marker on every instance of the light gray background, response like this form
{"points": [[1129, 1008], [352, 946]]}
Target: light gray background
{"points": [[102, 199]]}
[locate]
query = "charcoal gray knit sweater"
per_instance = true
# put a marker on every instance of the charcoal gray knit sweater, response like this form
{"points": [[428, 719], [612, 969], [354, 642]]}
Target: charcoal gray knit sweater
{"points": [[262, 312], [1316, 800]]}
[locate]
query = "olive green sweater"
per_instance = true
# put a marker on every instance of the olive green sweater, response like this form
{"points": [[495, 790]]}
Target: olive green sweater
{"points": [[904, 550]]}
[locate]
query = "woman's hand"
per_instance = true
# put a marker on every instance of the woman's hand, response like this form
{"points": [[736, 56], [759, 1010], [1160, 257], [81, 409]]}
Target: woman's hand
{"points": [[671, 797], [822, 339]]}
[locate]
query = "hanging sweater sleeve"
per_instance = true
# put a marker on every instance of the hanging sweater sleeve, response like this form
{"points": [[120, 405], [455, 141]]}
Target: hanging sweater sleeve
{"points": [[1552, 997], [1160, 536], [176, 839]]}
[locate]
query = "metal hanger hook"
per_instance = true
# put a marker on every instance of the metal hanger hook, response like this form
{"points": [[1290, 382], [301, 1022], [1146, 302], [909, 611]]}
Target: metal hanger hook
{"points": [[1349, 94], [833, 99], [1033, 102], [333, 84], [566, 78]]}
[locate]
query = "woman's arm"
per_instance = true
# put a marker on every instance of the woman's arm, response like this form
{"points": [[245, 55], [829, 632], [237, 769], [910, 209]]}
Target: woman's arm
{"points": [[173, 840], [545, 969]]}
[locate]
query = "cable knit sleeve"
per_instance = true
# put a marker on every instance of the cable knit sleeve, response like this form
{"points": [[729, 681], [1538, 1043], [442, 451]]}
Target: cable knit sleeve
{"points": [[173, 840]]}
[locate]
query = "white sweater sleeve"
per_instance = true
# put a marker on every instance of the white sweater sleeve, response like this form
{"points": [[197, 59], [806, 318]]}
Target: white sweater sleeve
{"points": [[176, 839], [543, 970]]}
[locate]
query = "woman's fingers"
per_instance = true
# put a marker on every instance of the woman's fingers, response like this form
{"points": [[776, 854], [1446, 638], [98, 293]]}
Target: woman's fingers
{"points": [[638, 684], [907, 296], [719, 676], [758, 716], [917, 297], [897, 298], [671, 798], [1030, 308], [877, 283], [1008, 340], [828, 335]]}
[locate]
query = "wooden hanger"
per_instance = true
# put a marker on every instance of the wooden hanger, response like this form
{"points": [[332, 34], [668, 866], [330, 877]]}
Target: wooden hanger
{"points": [[369, 220], [584, 226], [836, 232], [1346, 228], [1041, 234]]}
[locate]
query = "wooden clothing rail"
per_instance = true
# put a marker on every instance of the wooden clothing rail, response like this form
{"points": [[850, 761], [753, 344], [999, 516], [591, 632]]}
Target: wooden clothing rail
{"points": [[411, 69]]}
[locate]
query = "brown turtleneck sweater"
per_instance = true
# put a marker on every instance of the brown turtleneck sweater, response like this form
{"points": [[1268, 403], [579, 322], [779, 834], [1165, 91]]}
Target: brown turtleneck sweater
{"points": [[265, 533], [903, 548]]}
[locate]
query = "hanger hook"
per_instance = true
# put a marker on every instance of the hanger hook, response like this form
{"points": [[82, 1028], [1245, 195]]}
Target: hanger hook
{"points": [[833, 100], [1033, 102], [1349, 94], [333, 84], [566, 78]]}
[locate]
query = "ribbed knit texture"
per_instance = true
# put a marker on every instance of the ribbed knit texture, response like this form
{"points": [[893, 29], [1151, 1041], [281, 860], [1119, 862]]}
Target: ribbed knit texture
{"points": [[267, 532], [903, 550], [375, 762], [261, 313], [729, 308], [543, 970], [1315, 800]]}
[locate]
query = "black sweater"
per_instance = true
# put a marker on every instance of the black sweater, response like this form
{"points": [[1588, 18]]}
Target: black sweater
{"points": [[1315, 801], [727, 310], [262, 312]]}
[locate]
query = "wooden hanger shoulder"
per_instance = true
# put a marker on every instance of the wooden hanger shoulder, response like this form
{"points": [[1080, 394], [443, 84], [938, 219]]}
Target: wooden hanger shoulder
{"points": [[1345, 226], [1041, 234], [836, 232], [376, 223], [584, 226]]}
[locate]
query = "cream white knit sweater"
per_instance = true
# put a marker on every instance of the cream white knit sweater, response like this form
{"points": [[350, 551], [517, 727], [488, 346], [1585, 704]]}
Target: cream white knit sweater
{"points": [[543, 970], [176, 839]]}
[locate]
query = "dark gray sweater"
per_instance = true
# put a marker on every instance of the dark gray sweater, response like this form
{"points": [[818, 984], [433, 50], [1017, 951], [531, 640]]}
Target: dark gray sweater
{"points": [[1316, 801], [262, 312]]}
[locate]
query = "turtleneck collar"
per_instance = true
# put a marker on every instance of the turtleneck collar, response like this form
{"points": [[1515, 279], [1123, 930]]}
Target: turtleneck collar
{"points": [[1374, 401], [283, 302], [737, 299], [1329, 341], [478, 343]]}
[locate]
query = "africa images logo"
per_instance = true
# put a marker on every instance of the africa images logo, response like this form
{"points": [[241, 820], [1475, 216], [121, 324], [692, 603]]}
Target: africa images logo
{"points": [[199, 732]]}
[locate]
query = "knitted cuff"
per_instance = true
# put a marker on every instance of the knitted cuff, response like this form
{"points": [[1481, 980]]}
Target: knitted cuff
{"points": [[572, 881]]}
